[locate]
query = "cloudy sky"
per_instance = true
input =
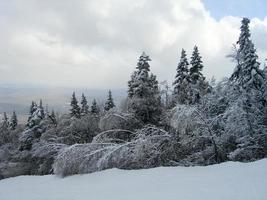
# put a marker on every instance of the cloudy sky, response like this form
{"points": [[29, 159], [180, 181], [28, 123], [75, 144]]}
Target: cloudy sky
{"points": [[96, 43]]}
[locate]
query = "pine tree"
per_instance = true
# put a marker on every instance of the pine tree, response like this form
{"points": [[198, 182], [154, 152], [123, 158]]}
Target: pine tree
{"points": [[109, 103], [85, 107], [94, 108], [181, 82], [247, 73], [41, 108], [13, 121], [143, 92], [75, 110]]}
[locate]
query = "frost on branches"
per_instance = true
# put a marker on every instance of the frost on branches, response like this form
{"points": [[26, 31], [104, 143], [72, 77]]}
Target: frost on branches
{"points": [[247, 72], [151, 147]]}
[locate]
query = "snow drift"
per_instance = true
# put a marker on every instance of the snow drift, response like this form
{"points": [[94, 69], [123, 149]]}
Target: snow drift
{"points": [[230, 180]]}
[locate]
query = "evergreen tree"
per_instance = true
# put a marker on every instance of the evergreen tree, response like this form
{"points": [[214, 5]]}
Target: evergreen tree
{"points": [[198, 86], [5, 123], [41, 108], [36, 114], [131, 84], [95, 108], [196, 66], [75, 110], [181, 82], [109, 103], [143, 92], [85, 107], [33, 108], [53, 117], [247, 73], [46, 111], [13, 121], [139, 83]]}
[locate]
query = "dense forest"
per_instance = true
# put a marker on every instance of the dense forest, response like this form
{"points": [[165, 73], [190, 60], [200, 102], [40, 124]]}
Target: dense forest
{"points": [[194, 122]]}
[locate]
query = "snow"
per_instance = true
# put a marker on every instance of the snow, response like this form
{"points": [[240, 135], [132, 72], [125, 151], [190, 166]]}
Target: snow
{"points": [[230, 180]]}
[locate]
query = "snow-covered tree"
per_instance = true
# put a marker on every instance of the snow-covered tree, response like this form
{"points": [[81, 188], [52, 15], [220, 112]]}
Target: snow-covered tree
{"points": [[198, 85], [5, 122], [75, 110], [139, 83], [95, 108], [165, 92], [196, 66], [4, 130], [85, 107], [36, 117], [143, 92], [41, 108], [247, 72], [109, 103], [246, 115], [13, 121], [131, 84], [33, 108], [148, 147], [53, 118], [181, 82]]}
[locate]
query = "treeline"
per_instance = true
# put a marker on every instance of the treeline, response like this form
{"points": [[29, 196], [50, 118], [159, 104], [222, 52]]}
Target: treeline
{"points": [[197, 123]]}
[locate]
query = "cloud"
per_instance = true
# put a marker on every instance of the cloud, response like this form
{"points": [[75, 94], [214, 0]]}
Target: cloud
{"points": [[96, 44]]}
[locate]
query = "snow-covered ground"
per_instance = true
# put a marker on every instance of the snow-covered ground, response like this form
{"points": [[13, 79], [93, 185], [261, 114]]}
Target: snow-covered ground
{"points": [[227, 181]]}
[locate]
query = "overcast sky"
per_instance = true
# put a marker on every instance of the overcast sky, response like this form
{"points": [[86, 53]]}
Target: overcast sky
{"points": [[96, 43]]}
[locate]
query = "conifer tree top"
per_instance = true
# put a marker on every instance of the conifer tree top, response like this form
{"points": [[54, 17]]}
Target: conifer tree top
{"points": [[197, 66], [143, 62], [245, 33], [75, 109], [247, 72], [5, 117], [109, 103], [182, 69], [85, 107]]}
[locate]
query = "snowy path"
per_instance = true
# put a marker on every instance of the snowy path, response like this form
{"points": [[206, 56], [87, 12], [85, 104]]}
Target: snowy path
{"points": [[227, 181]]}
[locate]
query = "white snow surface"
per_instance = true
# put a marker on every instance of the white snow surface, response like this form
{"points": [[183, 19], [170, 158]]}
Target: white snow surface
{"points": [[226, 181]]}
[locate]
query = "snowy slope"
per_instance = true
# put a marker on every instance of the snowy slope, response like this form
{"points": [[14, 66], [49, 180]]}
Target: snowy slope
{"points": [[227, 181]]}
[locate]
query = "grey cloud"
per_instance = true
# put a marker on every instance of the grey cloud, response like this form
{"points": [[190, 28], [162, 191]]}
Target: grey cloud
{"points": [[96, 44]]}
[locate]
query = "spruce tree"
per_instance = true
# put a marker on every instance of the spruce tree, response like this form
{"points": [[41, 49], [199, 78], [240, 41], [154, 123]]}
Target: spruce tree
{"points": [[247, 73], [85, 107], [41, 108], [196, 66], [181, 82], [143, 92], [131, 84], [13, 121], [109, 103], [198, 87], [140, 79], [33, 108], [5, 123], [94, 108], [75, 110], [36, 114], [53, 117]]}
